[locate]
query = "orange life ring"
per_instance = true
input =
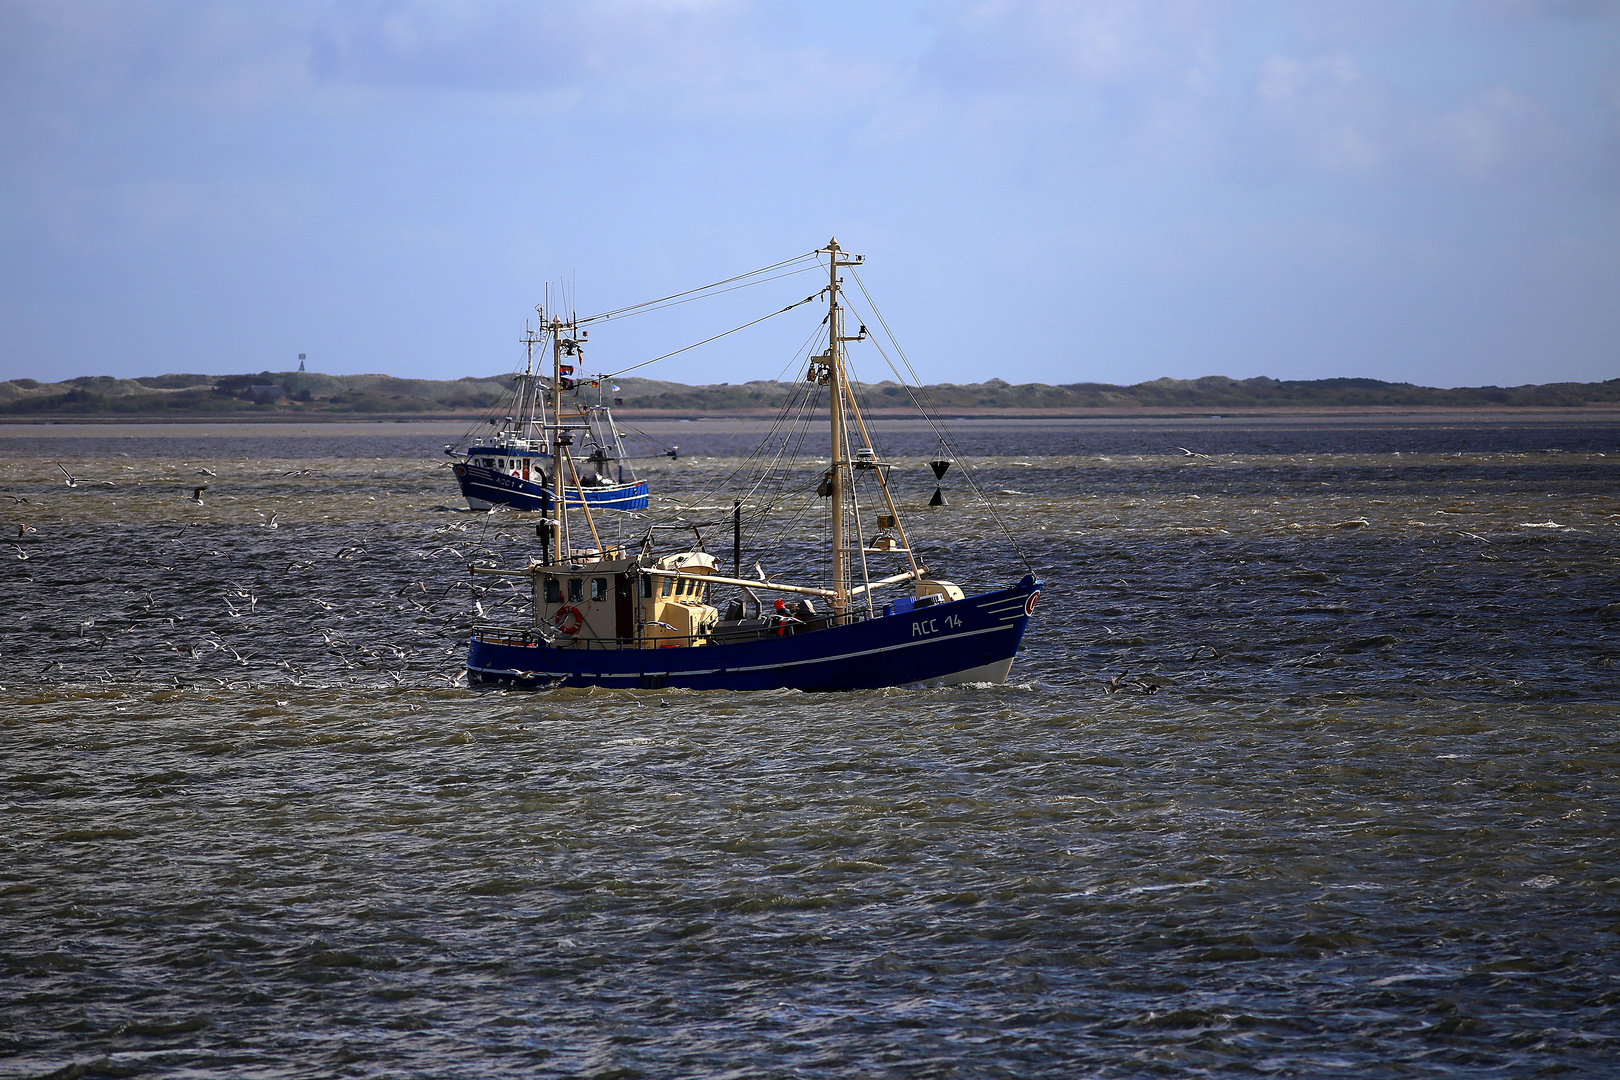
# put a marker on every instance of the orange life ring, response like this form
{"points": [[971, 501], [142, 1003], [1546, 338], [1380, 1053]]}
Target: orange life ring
{"points": [[568, 620]]}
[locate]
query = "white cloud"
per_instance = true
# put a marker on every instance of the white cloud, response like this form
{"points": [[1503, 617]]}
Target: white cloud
{"points": [[1104, 42], [1316, 113], [693, 59], [1497, 132], [1283, 77]]}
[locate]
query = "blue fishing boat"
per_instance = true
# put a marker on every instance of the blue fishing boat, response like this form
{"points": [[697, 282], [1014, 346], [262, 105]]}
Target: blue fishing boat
{"points": [[611, 613], [512, 465]]}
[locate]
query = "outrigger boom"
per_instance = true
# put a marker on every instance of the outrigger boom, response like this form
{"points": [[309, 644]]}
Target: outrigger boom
{"points": [[715, 579]]}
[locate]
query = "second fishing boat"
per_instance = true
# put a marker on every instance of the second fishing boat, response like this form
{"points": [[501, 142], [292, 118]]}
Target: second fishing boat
{"points": [[513, 464]]}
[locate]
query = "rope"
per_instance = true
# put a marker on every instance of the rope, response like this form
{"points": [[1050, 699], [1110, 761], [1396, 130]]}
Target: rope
{"points": [[652, 305], [912, 390], [716, 337]]}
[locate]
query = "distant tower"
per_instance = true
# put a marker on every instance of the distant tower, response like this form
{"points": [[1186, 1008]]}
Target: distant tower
{"points": [[300, 361]]}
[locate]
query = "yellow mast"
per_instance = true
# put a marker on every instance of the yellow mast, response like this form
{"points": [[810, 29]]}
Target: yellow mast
{"points": [[559, 506], [835, 407], [841, 477], [841, 480]]}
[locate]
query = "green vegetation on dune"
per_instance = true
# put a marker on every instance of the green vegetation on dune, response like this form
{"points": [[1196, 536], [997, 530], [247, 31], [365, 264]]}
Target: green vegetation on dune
{"points": [[311, 393], [265, 394]]}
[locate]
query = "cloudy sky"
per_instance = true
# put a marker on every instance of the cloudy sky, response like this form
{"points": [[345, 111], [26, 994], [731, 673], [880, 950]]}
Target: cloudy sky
{"points": [[1052, 190]]}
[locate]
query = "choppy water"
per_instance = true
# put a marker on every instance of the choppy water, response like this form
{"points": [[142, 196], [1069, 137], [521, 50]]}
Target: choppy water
{"points": [[1366, 826]]}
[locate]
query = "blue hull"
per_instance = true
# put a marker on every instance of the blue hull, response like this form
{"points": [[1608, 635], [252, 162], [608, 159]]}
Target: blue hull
{"points": [[968, 640], [479, 484]]}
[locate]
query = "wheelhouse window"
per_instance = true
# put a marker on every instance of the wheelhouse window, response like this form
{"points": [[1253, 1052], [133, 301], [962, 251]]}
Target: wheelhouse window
{"points": [[576, 589], [553, 590], [646, 586], [599, 588]]}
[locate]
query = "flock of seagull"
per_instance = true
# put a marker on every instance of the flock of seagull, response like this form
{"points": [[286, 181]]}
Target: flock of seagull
{"points": [[341, 648], [190, 613]]}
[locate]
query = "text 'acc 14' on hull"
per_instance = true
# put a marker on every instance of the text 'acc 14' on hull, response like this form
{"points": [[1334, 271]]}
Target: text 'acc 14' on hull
{"points": [[860, 612], [551, 418]]}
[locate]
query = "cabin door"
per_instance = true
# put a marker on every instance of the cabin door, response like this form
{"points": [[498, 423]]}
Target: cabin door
{"points": [[625, 602]]}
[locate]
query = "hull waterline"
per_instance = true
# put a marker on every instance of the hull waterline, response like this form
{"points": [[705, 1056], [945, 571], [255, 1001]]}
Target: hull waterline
{"points": [[484, 488], [971, 640]]}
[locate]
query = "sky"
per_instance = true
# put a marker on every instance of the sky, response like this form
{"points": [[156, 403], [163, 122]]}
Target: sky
{"points": [[1421, 191]]}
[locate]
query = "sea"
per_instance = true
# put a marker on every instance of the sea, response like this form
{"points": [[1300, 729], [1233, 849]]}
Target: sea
{"points": [[1309, 767]]}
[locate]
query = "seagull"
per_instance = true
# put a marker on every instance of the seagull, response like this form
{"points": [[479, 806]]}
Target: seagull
{"points": [[24, 530], [72, 481], [1124, 683], [1189, 453], [196, 494], [442, 547]]}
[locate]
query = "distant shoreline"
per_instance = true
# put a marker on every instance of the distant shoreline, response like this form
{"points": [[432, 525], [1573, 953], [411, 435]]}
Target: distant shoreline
{"points": [[300, 395], [17, 425]]}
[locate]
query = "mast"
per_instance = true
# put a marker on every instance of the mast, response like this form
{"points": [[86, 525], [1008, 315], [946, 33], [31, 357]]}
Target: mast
{"points": [[531, 410], [559, 504], [835, 408], [841, 480]]}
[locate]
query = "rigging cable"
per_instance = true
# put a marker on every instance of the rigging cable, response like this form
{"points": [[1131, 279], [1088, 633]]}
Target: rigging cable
{"points": [[927, 410], [692, 293], [717, 337], [788, 403], [659, 305], [771, 459]]}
